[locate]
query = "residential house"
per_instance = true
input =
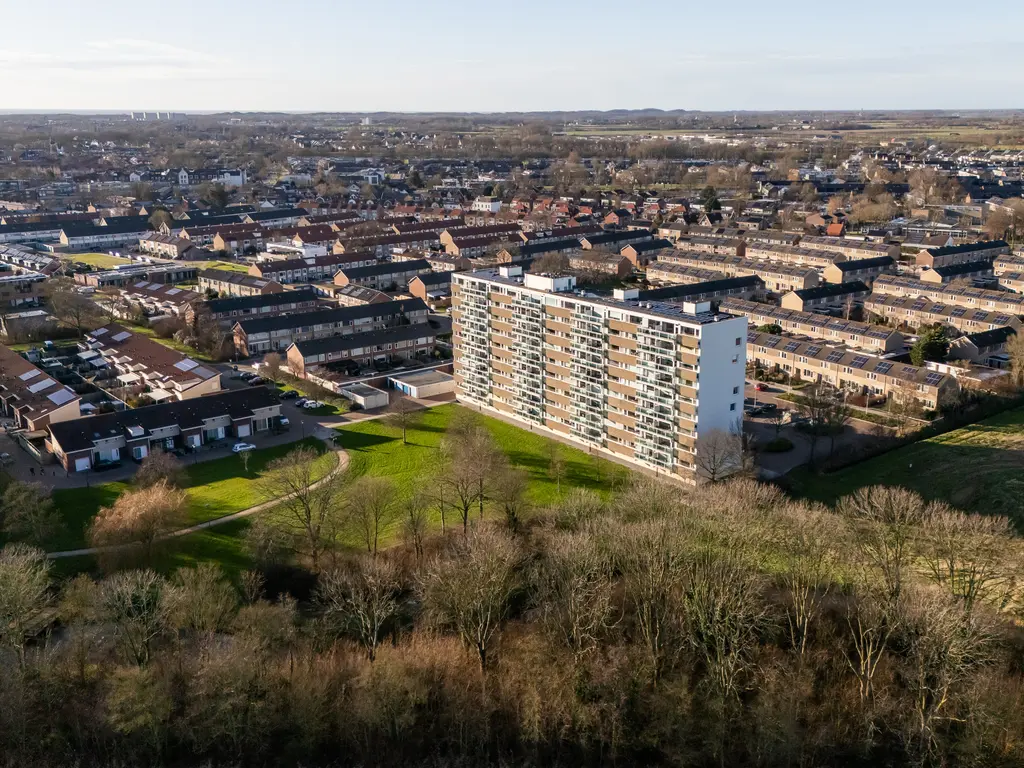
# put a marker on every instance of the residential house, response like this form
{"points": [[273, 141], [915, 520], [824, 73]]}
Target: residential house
{"points": [[616, 240], [857, 270], [981, 346], [351, 295], [778, 277], [960, 295], [384, 345], [432, 287], [919, 312], [959, 254], [150, 273], [827, 296], [383, 276], [640, 254], [714, 290], [229, 309], [601, 262], [853, 250], [31, 397], [311, 270], [226, 283], [792, 254], [155, 299], [965, 270], [712, 245]]}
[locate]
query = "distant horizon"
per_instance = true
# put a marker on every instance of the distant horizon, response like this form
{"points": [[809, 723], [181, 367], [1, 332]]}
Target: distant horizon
{"points": [[262, 56]]}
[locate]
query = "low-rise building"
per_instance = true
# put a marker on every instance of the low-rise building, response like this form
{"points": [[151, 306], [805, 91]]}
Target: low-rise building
{"points": [[834, 330], [959, 254], [713, 245], [1008, 263], [919, 312], [601, 262], [384, 345], [311, 270], [616, 240], [158, 298], [714, 290], [144, 366], [851, 371], [81, 444], [966, 270], [778, 277], [224, 282], [960, 295], [825, 296], [431, 286], [853, 250], [858, 270], [171, 247], [794, 255], [384, 276], [351, 295], [256, 336], [640, 254], [678, 274], [1012, 281], [981, 346], [85, 235], [229, 309], [150, 273], [31, 397]]}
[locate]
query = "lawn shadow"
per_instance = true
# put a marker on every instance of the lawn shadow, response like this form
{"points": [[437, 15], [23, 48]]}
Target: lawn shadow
{"points": [[362, 441]]}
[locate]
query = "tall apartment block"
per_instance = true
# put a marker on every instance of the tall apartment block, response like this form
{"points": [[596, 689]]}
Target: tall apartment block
{"points": [[637, 379]]}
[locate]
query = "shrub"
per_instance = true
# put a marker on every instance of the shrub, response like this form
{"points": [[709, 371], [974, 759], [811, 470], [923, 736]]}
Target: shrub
{"points": [[778, 445]]}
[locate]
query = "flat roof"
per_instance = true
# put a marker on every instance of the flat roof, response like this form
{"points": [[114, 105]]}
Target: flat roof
{"points": [[421, 378]]}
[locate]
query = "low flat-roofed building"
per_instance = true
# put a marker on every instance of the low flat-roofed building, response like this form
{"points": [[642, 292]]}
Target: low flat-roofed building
{"points": [[423, 384], [366, 397], [825, 296], [959, 254], [227, 283], [918, 312], [967, 270], [80, 444], [32, 397], [872, 338], [853, 250], [858, 270], [146, 367], [386, 344], [848, 370]]}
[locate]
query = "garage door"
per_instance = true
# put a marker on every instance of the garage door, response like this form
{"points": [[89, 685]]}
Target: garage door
{"points": [[243, 430], [81, 464]]}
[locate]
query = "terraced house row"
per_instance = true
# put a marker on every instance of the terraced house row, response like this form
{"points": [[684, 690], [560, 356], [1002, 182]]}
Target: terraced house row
{"points": [[919, 311], [961, 295], [777, 277], [641, 380]]}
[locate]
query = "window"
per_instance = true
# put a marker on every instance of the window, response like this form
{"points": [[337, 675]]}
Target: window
{"points": [[735, 358], [738, 341], [732, 406]]}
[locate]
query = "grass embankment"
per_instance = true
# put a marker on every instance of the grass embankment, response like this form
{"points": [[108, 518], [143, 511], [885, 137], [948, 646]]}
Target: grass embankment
{"points": [[215, 488], [97, 260], [979, 468], [376, 449]]}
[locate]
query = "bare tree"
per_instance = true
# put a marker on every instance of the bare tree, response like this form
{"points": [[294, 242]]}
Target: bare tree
{"points": [[245, 457], [138, 521], [578, 508], [361, 601], [271, 368], [837, 416], [70, 307], [1015, 349], [27, 512], [969, 555], [470, 591], [372, 504], [160, 466], [24, 583], [312, 508], [403, 414], [818, 400], [556, 464], [469, 456], [889, 521], [719, 453], [415, 522], [870, 625], [200, 600], [510, 485], [576, 592], [133, 602]]}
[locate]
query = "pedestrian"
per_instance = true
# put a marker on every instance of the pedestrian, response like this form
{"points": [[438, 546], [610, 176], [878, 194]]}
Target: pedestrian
{"points": [[32, 471]]}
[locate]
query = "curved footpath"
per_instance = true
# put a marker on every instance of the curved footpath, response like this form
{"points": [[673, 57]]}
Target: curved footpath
{"points": [[341, 467]]}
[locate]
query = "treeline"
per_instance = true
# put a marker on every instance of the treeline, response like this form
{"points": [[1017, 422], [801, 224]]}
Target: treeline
{"points": [[729, 625]]}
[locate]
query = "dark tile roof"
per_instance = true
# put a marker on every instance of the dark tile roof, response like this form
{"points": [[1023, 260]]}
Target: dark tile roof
{"points": [[236, 303], [606, 238], [991, 337], [855, 264], [370, 338], [79, 434], [278, 213], [336, 315], [552, 246], [435, 278], [650, 245], [669, 292], [966, 268], [386, 268], [967, 247], [828, 290]]}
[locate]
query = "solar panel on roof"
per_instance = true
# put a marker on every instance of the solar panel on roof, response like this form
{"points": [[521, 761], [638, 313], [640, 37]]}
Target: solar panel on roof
{"points": [[186, 365], [173, 291], [859, 361], [813, 349], [835, 356], [773, 342], [121, 336], [39, 386], [791, 346], [61, 396], [99, 332], [932, 379], [1001, 319], [30, 374], [883, 367], [958, 312]]}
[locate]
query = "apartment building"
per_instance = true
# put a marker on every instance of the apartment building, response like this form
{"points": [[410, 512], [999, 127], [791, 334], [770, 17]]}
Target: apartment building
{"points": [[958, 254], [857, 270], [827, 296], [871, 338], [851, 371], [616, 376], [794, 255], [778, 278], [256, 336], [853, 250], [961, 295], [80, 444], [32, 397], [917, 312], [228, 310], [965, 270], [385, 276], [147, 367], [227, 283]]}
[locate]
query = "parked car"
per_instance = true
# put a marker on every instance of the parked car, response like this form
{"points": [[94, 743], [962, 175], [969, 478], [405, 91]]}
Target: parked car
{"points": [[769, 407], [312, 404], [762, 387], [290, 394], [6, 459], [283, 421], [250, 375], [242, 447], [255, 381]]}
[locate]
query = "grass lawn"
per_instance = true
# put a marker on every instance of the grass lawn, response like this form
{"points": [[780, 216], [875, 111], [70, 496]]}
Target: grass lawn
{"points": [[333, 405], [177, 346], [215, 488], [98, 260], [979, 468], [377, 450], [229, 266]]}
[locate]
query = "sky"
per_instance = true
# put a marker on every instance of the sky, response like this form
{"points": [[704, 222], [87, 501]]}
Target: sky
{"points": [[529, 55]]}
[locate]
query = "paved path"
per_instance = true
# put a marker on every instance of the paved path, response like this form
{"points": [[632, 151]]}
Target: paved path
{"points": [[341, 466]]}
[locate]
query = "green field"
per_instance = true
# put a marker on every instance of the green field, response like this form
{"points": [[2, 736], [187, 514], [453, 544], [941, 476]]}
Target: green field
{"points": [[98, 260], [215, 488], [979, 468], [228, 266], [377, 450]]}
